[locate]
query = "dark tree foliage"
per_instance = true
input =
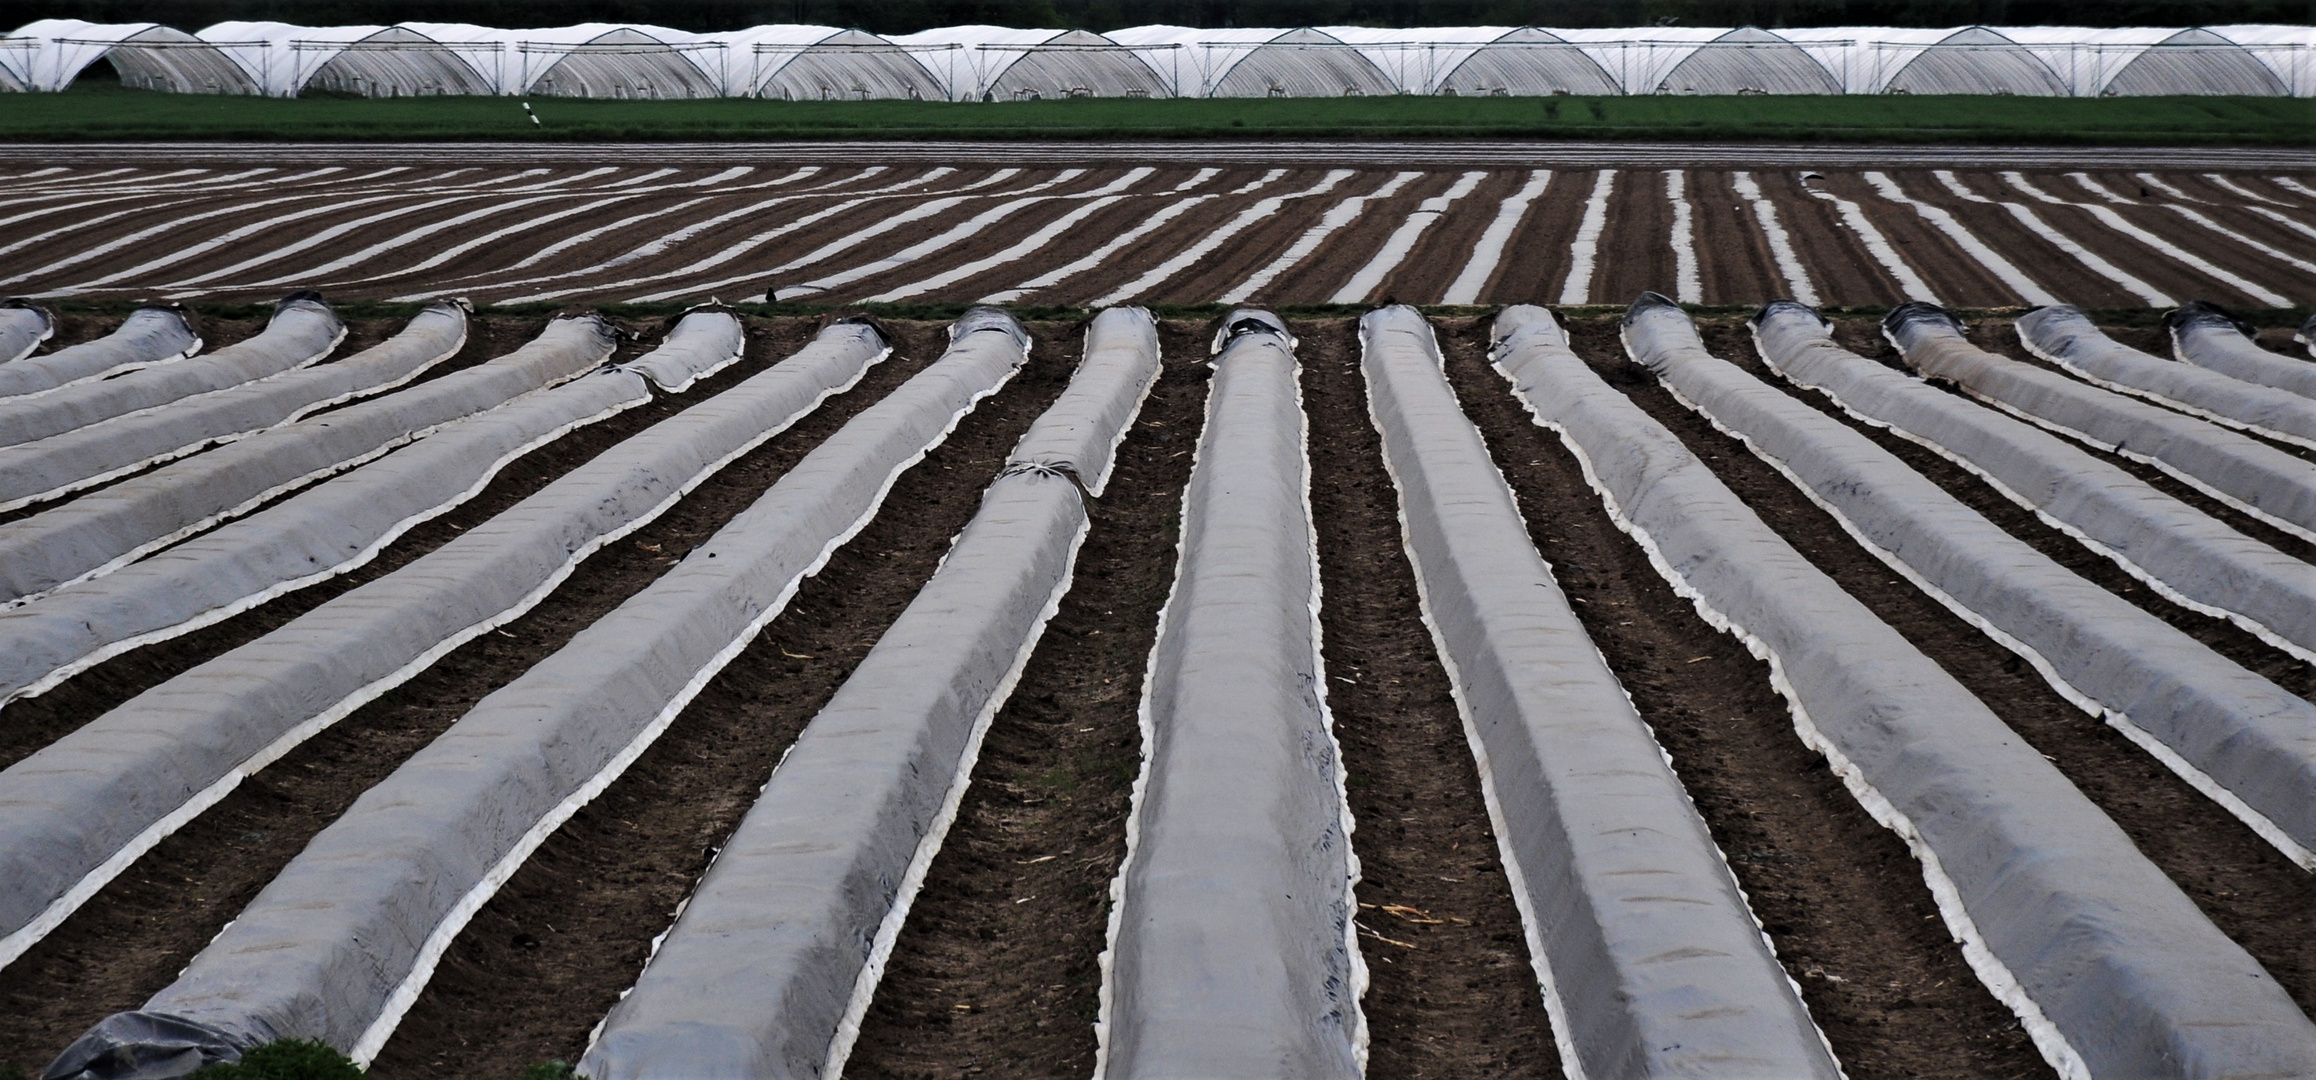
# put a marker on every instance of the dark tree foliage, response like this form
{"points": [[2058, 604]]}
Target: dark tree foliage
{"points": [[899, 16]]}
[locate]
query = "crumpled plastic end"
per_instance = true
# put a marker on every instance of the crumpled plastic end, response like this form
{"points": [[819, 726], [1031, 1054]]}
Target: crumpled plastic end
{"points": [[2055, 330], [1524, 318], [1784, 311], [145, 1046], [1915, 317], [1243, 321], [1650, 303], [978, 319], [47, 317], [2202, 315], [2306, 335]]}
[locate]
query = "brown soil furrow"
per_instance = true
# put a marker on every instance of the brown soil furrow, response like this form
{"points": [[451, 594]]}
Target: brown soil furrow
{"points": [[1133, 259], [1841, 899], [2059, 273], [1846, 274], [1329, 266], [496, 263], [2251, 891], [996, 970], [132, 938], [188, 234], [1956, 276], [1070, 245], [2230, 214], [2147, 262], [1438, 259], [1536, 260], [1636, 249], [1451, 987], [1250, 251], [1014, 229], [547, 957], [806, 242], [1734, 264]]}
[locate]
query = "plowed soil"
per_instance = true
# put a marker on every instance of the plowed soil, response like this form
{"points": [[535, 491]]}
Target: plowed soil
{"points": [[996, 972]]}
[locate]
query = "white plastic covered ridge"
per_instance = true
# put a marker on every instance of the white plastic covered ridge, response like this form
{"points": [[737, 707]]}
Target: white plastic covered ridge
{"points": [[150, 335], [340, 944], [327, 530], [85, 457], [104, 530], [2184, 553], [302, 330], [2203, 335], [773, 962], [2244, 741], [2110, 968], [2236, 469], [1650, 962], [84, 807], [2064, 336], [1231, 948], [23, 326]]}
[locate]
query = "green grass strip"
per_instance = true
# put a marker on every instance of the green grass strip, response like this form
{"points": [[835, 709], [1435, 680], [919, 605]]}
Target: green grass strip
{"points": [[109, 111]]}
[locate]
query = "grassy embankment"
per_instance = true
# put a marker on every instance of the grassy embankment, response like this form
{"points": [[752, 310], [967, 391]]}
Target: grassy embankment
{"points": [[108, 111]]}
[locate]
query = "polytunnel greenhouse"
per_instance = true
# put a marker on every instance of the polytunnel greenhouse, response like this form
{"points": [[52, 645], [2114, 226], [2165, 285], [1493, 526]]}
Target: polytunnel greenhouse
{"points": [[2139, 61], [1262, 63], [1972, 60], [1684, 60], [148, 56], [368, 61], [1496, 61], [994, 63], [598, 60], [822, 63]]}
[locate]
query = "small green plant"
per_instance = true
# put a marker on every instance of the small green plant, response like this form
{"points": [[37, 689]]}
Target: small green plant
{"points": [[288, 1059], [550, 1070]]}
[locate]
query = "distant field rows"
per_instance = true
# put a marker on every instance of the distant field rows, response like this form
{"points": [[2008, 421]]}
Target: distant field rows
{"points": [[1043, 235]]}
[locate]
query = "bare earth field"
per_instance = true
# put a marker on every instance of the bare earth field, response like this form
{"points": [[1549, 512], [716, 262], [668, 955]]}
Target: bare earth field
{"points": [[996, 971]]}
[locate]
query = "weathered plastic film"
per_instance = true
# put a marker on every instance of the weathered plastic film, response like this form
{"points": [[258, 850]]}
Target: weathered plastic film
{"points": [[1650, 962], [777, 953], [2110, 968], [341, 942], [1230, 942], [85, 457], [2235, 468]]}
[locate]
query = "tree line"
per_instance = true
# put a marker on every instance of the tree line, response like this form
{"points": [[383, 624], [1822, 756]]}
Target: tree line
{"points": [[902, 16]]}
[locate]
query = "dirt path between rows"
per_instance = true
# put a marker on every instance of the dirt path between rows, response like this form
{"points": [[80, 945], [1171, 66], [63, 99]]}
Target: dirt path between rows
{"points": [[547, 957], [1840, 897], [133, 937], [1451, 991], [996, 972]]}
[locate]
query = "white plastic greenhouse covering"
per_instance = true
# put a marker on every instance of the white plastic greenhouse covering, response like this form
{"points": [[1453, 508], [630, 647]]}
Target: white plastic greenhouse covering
{"points": [[994, 63], [149, 56], [1704, 60], [371, 61], [823, 63], [1261, 62], [1481, 61], [2135, 61], [1972, 60], [604, 60], [16, 62]]}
